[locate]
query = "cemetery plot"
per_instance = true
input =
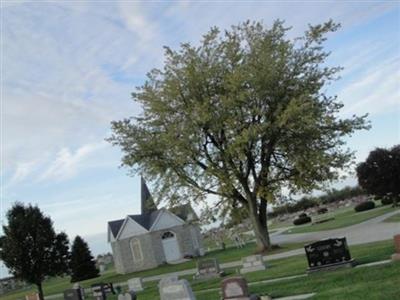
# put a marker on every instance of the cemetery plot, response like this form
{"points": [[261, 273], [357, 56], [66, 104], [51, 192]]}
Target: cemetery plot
{"points": [[173, 289], [328, 254], [131, 295], [100, 290], [236, 288], [252, 263], [135, 284], [73, 294], [208, 268], [396, 255], [32, 297]]}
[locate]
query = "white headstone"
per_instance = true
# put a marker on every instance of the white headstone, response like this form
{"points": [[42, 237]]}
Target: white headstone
{"points": [[252, 263], [176, 290], [135, 284]]}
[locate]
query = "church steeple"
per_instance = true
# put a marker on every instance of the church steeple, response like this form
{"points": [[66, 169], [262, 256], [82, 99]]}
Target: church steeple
{"points": [[147, 201]]}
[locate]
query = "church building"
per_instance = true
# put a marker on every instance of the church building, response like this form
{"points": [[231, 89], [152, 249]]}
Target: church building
{"points": [[155, 237]]}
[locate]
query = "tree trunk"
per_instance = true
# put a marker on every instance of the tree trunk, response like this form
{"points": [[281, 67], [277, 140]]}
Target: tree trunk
{"points": [[259, 221], [40, 291]]}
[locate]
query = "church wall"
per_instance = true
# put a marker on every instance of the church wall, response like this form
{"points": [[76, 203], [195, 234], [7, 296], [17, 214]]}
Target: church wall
{"points": [[127, 263]]}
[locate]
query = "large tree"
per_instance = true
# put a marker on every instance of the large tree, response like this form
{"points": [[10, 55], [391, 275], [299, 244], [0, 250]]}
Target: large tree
{"points": [[379, 175], [83, 265], [243, 116], [30, 248]]}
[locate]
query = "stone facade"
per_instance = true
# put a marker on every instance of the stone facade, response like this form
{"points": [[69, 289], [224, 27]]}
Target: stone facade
{"points": [[155, 237], [152, 248]]}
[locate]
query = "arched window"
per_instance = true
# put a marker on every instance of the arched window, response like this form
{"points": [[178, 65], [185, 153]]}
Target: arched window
{"points": [[167, 235], [136, 250]]}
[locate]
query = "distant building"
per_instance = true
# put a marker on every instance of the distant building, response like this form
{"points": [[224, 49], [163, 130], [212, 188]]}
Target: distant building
{"points": [[154, 237], [105, 259]]}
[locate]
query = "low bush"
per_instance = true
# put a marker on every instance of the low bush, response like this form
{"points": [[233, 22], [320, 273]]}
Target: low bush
{"points": [[302, 220], [302, 215], [386, 201], [364, 206], [322, 210]]}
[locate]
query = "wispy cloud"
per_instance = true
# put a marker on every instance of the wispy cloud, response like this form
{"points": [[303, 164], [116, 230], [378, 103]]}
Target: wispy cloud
{"points": [[23, 169], [67, 163], [69, 69], [375, 91]]}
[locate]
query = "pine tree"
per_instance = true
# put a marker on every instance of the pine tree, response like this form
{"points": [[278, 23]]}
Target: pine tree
{"points": [[82, 263], [30, 248]]}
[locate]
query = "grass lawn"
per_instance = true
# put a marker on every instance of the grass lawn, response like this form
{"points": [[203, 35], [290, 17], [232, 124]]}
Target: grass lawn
{"points": [[343, 219], [277, 268], [380, 282], [58, 285], [289, 223], [295, 265]]}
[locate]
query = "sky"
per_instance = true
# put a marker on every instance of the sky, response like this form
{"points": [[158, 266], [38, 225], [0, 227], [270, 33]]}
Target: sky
{"points": [[68, 69]]}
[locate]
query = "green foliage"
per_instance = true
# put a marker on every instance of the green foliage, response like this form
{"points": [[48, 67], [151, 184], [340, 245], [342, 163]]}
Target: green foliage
{"points": [[82, 263], [242, 116], [367, 205], [30, 248], [302, 220], [379, 175], [386, 200], [308, 202], [342, 194]]}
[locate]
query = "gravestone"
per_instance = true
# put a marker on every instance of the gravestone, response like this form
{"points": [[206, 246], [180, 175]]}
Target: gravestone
{"points": [[396, 255], [174, 289], [127, 296], [135, 284], [328, 254], [98, 291], [236, 288], [208, 268], [102, 268], [252, 263], [72, 294], [34, 296], [76, 286], [108, 288]]}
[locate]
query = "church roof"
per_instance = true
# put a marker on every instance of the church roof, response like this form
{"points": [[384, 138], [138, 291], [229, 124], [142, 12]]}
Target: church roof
{"points": [[150, 212], [146, 220], [115, 226]]}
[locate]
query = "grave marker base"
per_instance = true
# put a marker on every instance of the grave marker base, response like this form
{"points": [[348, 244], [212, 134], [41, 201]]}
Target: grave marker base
{"points": [[396, 257], [330, 267], [252, 269]]}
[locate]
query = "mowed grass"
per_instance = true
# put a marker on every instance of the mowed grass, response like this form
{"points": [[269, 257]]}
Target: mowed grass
{"points": [[294, 265], [372, 283], [343, 219], [58, 285]]}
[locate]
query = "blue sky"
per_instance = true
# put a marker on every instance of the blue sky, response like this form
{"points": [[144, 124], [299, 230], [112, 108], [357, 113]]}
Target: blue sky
{"points": [[68, 68]]}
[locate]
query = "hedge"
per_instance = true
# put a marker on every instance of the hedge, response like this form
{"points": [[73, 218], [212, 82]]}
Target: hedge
{"points": [[302, 220], [364, 206]]}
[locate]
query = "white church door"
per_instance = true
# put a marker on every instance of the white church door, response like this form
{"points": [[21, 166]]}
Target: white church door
{"points": [[170, 246]]}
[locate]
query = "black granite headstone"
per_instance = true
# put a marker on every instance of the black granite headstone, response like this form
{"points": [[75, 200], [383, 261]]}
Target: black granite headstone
{"points": [[328, 254], [72, 294], [99, 291]]}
